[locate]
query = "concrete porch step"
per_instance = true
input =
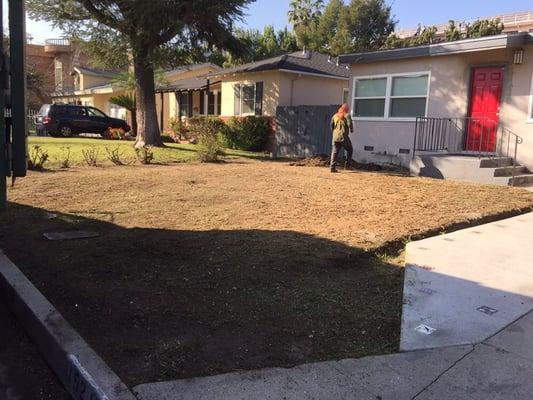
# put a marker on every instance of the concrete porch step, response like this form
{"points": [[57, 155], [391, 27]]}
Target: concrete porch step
{"points": [[495, 162], [508, 171]]}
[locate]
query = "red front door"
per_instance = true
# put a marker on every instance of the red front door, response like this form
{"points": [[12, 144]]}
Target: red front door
{"points": [[485, 98]]}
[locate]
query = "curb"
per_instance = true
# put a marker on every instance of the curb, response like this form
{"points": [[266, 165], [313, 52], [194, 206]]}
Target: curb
{"points": [[83, 373]]}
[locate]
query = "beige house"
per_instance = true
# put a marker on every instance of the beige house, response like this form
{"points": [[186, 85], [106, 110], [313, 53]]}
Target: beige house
{"points": [[258, 88], [450, 110], [94, 88]]}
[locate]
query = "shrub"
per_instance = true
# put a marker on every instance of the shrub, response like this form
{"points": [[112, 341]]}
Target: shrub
{"points": [[247, 133], [145, 154], [37, 158], [209, 147], [177, 129], [115, 155], [197, 126], [64, 158], [116, 134], [90, 155]]}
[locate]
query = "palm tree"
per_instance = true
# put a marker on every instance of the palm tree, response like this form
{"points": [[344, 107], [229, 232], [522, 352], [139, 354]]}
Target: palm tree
{"points": [[302, 14], [128, 102]]}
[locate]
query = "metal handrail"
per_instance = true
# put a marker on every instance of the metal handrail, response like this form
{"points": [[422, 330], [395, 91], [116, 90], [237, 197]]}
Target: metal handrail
{"points": [[450, 134], [57, 42], [511, 137]]}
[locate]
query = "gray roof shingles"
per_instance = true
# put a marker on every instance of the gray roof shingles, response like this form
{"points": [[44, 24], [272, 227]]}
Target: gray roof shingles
{"points": [[310, 62]]}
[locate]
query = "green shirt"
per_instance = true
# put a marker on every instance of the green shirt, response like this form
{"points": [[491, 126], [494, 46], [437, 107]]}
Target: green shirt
{"points": [[341, 128]]}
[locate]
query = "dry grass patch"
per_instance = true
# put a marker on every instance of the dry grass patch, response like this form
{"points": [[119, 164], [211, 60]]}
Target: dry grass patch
{"points": [[203, 269]]}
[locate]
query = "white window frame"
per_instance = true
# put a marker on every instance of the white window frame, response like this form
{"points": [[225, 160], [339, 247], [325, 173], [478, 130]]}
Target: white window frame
{"points": [[388, 96], [529, 118], [241, 85]]}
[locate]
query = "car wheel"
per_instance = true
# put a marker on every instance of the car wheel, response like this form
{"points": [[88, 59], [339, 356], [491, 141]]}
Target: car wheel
{"points": [[65, 131]]}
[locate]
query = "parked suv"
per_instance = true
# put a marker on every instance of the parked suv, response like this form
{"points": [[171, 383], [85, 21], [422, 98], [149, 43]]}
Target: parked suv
{"points": [[67, 120]]}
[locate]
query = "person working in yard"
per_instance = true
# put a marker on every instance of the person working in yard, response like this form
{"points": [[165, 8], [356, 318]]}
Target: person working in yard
{"points": [[341, 126]]}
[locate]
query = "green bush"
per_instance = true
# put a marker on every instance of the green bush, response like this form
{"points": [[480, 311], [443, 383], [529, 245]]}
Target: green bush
{"points": [[199, 125], [247, 133], [209, 147]]}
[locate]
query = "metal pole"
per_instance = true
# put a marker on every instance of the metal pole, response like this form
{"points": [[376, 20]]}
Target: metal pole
{"points": [[3, 159], [514, 159], [17, 55]]}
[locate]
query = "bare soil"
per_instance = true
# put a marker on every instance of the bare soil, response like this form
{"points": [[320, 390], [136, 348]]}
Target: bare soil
{"points": [[202, 269]]}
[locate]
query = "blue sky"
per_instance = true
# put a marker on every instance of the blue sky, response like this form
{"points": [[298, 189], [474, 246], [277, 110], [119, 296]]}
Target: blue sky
{"points": [[408, 12]]}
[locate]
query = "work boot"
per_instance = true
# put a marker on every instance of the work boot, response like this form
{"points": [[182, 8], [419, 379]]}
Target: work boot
{"points": [[333, 170]]}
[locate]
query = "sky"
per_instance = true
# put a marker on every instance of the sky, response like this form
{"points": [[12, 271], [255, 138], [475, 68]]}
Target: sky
{"points": [[408, 12]]}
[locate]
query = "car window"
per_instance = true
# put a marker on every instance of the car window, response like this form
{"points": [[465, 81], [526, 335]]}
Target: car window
{"points": [[44, 109], [93, 112]]}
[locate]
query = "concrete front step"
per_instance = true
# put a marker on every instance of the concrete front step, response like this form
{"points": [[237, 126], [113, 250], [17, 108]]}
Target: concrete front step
{"points": [[493, 170], [508, 171], [495, 162]]}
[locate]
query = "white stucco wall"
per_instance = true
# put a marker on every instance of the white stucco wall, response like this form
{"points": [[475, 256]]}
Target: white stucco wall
{"points": [[448, 97]]}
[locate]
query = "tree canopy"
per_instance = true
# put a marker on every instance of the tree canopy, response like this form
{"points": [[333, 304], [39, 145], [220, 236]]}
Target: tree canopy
{"points": [[340, 28], [147, 35]]}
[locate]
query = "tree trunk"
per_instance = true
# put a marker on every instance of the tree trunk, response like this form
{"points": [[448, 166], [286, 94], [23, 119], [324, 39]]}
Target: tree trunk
{"points": [[147, 127], [134, 122]]}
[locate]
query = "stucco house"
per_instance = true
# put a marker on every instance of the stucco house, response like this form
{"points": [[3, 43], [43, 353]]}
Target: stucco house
{"points": [[94, 87], [257, 88], [451, 110]]}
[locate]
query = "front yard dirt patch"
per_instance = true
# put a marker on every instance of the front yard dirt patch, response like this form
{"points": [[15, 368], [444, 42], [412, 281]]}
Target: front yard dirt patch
{"points": [[204, 269]]}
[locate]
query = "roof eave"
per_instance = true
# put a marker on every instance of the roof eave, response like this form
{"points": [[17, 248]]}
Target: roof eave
{"points": [[441, 49]]}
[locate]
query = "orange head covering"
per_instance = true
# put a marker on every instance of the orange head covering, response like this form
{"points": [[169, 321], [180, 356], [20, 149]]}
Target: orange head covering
{"points": [[345, 108], [341, 113]]}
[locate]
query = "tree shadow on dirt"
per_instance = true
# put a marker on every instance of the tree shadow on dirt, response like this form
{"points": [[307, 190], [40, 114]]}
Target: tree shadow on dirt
{"points": [[166, 304]]}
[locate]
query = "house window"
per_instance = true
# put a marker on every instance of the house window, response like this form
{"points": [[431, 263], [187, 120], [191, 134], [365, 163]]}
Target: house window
{"points": [[211, 102], [184, 104], [409, 96], [58, 66], [392, 96], [248, 99], [345, 96], [530, 110]]}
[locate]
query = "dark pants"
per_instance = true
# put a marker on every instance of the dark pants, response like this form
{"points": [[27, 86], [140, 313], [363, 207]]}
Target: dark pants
{"points": [[336, 147]]}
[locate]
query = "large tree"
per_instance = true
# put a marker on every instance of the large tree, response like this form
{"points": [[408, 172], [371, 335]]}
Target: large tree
{"points": [[144, 33]]}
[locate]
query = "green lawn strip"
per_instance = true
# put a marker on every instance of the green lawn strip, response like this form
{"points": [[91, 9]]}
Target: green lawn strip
{"points": [[57, 149]]}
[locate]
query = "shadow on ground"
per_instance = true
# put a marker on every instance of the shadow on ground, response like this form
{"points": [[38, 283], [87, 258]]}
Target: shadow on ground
{"points": [[163, 304]]}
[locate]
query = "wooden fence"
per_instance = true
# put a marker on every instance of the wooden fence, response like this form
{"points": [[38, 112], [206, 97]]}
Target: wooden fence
{"points": [[303, 131]]}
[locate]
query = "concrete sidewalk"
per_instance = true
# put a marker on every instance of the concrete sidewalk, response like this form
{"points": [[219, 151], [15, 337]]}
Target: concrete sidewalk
{"points": [[473, 289], [499, 368]]}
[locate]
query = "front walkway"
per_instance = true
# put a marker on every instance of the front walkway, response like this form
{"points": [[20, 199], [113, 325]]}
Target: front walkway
{"points": [[472, 286]]}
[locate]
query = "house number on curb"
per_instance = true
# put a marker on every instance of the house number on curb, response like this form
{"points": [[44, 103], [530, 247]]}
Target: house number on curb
{"points": [[426, 330], [487, 310], [82, 386]]}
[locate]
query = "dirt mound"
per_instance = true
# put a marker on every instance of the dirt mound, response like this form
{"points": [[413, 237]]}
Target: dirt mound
{"points": [[323, 161]]}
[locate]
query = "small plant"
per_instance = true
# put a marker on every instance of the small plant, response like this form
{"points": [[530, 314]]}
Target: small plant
{"points": [[145, 154], [209, 148], [116, 156], [37, 158], [64, 158], [177, 130], [90, 155]]}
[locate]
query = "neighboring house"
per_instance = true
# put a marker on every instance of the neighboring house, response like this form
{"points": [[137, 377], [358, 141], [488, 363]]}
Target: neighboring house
{"points": [[258, 88], [514, 22], [475, 97], [94, 87]]}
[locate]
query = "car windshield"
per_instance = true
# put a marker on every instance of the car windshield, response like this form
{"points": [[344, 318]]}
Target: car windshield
{"points": [[93, 112]]}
